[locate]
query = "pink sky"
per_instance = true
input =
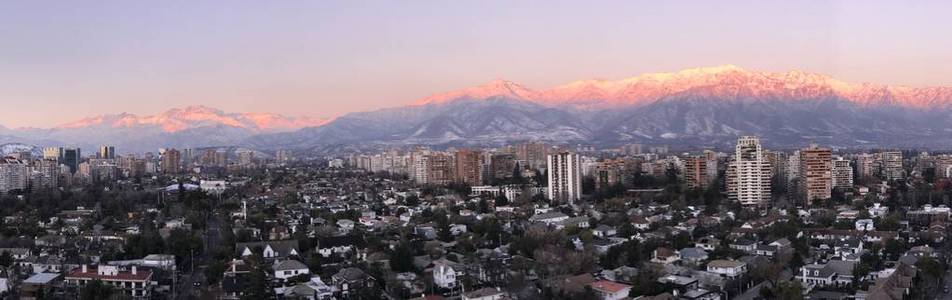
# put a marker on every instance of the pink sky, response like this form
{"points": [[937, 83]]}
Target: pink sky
{"points": [[61, 61]]}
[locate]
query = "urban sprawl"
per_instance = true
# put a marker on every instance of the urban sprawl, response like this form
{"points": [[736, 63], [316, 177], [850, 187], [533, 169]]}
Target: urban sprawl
{"points": [[526, 221]]}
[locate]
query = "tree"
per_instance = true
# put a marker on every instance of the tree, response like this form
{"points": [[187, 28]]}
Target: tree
{"points": [[6, 259], [501, 200], [257, 287], [412, 201], [95, 290], [401, 260]]}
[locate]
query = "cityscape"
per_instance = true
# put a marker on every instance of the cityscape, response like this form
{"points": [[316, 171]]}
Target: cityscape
{"points": [[475, 150]]}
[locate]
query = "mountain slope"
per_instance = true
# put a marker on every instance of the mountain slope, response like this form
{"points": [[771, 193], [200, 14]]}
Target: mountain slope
{"points": [[192, 126], [703, 106]]}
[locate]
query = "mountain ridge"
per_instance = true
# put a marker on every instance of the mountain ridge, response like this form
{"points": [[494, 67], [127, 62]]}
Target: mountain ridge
{"points": [[725, 80]]}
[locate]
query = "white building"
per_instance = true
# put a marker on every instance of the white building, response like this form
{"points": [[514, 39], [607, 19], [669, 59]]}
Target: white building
{"points": [[289, 268], [565, 177], [445, 273], [14, 174], [213, 186], [727, 268], [748, 177], [610, 290]]}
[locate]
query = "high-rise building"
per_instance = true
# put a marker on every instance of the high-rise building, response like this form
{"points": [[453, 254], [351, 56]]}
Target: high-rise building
{"points": [[842, 173], [610, 172], [696, 171], [748, 175], [283, 155], [816, 173], [469, 167], [502, 166], [45, 173], [890, 165], [171, 161], [72, 157], [440, 168], [55, 153], [533, 154], [106, 152], [246, 158], [14, 174], [865, 166], [565, 177], [188, 157]]}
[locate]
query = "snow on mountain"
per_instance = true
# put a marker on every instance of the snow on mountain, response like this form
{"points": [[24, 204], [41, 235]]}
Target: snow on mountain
{"points": [[720, 81], [193, 126], [13, 148], [702, 106], [179, 119]]}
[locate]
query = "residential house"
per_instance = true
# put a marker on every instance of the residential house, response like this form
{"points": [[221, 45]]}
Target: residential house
{"points": [[727, 268]]}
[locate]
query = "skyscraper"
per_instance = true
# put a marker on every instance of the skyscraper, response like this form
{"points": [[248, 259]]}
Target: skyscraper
{"points": [[748, 175], [696, 171], [54, 153], [842, 173], [106, 152], [72, 157], [469, 167], [565, 177], [171, 161], [14, 174], [890, 165], [816, 173]]}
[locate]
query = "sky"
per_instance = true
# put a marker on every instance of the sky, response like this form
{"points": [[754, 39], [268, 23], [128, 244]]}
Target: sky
{"points": [[65, 60]]}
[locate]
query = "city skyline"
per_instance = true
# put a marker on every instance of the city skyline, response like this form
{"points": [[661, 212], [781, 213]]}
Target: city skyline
{"points": [[318, 60]]}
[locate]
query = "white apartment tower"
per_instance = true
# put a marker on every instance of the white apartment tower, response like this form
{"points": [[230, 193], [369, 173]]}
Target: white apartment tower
{"points": [[565, 177], [14, 174], [749, 174]]}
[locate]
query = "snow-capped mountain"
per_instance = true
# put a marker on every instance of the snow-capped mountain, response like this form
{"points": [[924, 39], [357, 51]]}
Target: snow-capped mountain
{"points": [[192, 117], [702, 106], [192, 126], [725, 81], [15, 148]]}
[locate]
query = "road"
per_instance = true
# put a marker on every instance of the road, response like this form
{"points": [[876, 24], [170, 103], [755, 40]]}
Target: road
{"points": [[212, 238], [946, 283]]}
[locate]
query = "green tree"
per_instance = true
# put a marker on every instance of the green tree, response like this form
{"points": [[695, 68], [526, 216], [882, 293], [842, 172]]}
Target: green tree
{"points": [[258, 286], [6, 259], [95, 290], [401, 260]]}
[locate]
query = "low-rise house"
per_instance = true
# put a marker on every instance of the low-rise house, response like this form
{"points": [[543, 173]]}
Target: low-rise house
{"points": [[39, 285], [445, 273], [268, 249], [664, 255], [285, 269], [707, 243], [744, 245], [832, 273], [610, 290], [865, 225], [727, 268], [350, 280], [549, 218], [604, 231], [693, 255], [132, 282], [336, 245]]}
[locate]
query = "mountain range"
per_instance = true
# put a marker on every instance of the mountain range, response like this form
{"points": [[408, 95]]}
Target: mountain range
{"points": [[701, 107], [193, 126]]}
